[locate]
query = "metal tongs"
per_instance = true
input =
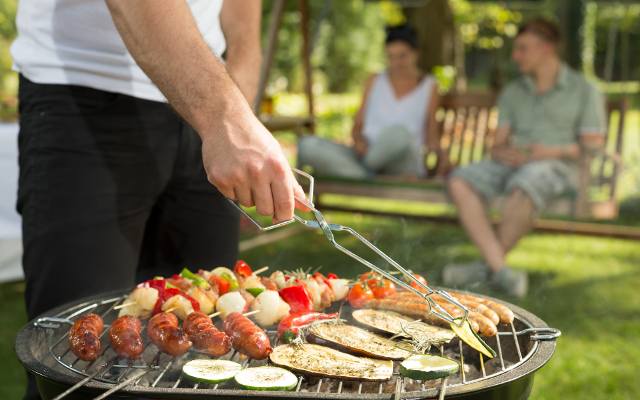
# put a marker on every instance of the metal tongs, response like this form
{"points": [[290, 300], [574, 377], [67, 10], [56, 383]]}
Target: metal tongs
{"points": [[328, 229]]}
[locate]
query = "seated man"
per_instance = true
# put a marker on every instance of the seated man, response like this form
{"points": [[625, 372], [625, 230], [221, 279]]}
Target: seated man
{"points": [[547, 118], [397, 113]]}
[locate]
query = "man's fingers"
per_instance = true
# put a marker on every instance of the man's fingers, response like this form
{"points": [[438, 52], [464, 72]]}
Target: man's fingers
{"points": [[302, 203], [263, 199], [282, 192], [244, 196], [226, 191]]}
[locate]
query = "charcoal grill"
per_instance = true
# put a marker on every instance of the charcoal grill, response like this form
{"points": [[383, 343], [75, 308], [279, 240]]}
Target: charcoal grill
{"points": [[522, 347]]}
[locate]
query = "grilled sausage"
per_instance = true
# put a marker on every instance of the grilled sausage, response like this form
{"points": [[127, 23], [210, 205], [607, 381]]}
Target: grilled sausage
{"points": [[482, 309], [421, 303], [205, 336], [486, 327], [164, 332], [504, 312], [84, 337], [473, 306], [125, 336], [247, 337]]}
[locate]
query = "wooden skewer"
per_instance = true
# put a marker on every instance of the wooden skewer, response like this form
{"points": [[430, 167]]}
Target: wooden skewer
{"points": [[250, 313], [123, 305], [247, 314], [261, 270]]}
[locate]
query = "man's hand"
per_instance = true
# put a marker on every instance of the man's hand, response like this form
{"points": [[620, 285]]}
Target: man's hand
{"points": [[509, 155], [246, 164]]}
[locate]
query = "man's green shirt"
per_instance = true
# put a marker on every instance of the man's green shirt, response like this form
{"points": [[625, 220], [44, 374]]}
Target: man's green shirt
{"points": [[558, 117]]}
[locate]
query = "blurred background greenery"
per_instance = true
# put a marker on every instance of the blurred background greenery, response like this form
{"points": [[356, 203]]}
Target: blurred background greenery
{"points": [[8, 78], [465, 43]]}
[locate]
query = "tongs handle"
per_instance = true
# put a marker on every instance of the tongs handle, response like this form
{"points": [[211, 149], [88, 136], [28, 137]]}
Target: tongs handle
{"points": [[308, 199]]}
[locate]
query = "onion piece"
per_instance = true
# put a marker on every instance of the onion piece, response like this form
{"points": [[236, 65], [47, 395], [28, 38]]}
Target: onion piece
{"points": [[271, 308], [230, 302]]}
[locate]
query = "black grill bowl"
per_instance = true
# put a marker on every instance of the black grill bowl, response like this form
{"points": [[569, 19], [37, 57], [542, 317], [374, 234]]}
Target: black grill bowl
{"points": [[32, 347]]}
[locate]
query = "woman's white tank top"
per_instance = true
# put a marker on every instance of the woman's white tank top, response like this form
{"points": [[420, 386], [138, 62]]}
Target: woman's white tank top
{"points": [[383, 109]]}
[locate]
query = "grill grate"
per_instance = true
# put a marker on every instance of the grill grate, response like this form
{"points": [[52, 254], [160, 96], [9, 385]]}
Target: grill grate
{"points": [[156, 370]]}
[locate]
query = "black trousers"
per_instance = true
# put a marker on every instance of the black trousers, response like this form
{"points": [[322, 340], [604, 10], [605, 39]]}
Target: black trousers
{"points": [[111, 191]]}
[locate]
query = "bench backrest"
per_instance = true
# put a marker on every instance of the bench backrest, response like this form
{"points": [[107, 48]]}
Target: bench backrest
{"points": [[606, 168], [468, 122]]}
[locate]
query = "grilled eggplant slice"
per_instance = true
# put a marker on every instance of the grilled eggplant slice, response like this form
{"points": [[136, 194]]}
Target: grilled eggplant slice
{"points": [[401, 325], [359, 341], [313, 359]]}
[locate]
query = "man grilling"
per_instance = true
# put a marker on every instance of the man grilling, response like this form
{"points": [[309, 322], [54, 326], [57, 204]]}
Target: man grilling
{"points": [[115, 185]]}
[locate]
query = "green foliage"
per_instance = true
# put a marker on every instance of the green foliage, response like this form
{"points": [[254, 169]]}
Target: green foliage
{"points": [[347, 39], [8, 78], [616, 33], [350, 44], [485, 25]]}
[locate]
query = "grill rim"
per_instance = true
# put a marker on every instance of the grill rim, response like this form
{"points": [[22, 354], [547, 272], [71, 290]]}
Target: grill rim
{"points": [[537, 358]]}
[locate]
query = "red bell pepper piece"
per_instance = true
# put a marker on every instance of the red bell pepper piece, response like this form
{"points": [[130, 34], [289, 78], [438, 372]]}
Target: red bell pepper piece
{"points": [[331, 275], [289, 327], [222, 284], [242, 269], [164, 293], [297, 297]]}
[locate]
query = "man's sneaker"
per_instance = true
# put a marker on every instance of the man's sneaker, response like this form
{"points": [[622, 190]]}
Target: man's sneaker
{"points": [[465, 275], [509, 281]]}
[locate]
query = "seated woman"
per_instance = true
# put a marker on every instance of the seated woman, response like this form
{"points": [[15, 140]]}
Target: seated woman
{"points": [[393, 125]]}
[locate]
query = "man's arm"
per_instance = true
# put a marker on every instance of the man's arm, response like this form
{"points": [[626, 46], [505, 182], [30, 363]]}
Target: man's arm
{"points": [[240, 156], [591, 141], [240, 21]]}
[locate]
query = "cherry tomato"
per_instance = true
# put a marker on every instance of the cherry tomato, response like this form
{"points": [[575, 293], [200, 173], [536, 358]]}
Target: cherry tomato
{"points": [[415, 285], [359, 295], [370, 278], [383, 288], [367, 276], [242, 269]]}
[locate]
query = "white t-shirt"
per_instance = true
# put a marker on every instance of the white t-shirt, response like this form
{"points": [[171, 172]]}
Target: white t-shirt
{"points": [[75, 42]]}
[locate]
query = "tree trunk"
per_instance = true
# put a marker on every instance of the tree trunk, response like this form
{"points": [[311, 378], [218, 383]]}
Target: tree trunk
{"points": [[436, 31], [571, 14]]}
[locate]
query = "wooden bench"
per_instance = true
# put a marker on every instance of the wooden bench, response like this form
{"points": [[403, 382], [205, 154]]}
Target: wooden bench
{"points": [[467, 126]]}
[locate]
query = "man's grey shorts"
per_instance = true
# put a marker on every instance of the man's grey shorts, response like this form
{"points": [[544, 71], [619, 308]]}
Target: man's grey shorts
{"points": [[542, 181]]}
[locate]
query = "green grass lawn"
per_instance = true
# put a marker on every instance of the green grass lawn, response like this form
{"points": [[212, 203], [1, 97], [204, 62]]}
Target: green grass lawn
{"points": [[587, 287]]}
